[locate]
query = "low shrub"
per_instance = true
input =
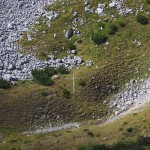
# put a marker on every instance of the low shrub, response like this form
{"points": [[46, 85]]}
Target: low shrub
{"points": [[62, 70], [144, 140], [45, 80], [126, 145], [4, 84], [120, 129], [27, 142], [71, 45], [42, 77], [90, 134], [50, 71], [13, 148], [148, 1], [101, 24], [66, 93], [43, 93], [121, 145], [99, 37], [94, 147], [112, 29], [13, 141], [130, 129], [142, 19], [79, 41], [82, 82], [125, 123], [121, 23]]}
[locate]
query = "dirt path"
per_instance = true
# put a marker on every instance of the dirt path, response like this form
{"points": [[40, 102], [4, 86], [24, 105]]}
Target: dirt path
{"points": [[52, 129]]}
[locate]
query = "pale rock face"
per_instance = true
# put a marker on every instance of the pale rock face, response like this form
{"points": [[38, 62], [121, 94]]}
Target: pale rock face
{"points": [[135, 93]]}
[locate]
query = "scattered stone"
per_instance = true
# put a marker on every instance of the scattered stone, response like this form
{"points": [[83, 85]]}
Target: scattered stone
{"points": [[104, 139], [55, 77], [135, 93], [69, 33], [73, 51]]}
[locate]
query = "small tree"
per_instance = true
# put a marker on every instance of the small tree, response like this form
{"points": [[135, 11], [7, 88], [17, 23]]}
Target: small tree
{"points": [[62, 70], [82, 82], [50, 71], [142, 19], [130, 129], [99, 37], [66, 93], [5, 84], [144, 140], [121, 23], [112, 29], [148, 1], [71, 45], [42, 77]]}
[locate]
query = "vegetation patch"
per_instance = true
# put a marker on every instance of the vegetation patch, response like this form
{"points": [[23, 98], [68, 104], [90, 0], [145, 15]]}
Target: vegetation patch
{"points": [[66, 93], [62, 70], [44, 76], [99, 37], [82, 82], [112, 29], [148, 1], [142, 19], [4, 84], [121, 145]]}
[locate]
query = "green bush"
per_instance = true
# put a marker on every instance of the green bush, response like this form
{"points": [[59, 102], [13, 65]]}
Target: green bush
{"points": [[94, 147], [45, 80], [101, 24], [144, 140], [121, 145], [62, 70], [71, 45], [126, 145], [43, 93], [130, 129], [99, 37], [121, 23], [142, 19], [50, 71], [90, 134], [27, 142], [42, 77], [13, 148], [79, 41], [66, 93], [112, 29], [148, 1], [4, 84], [82, 82]]}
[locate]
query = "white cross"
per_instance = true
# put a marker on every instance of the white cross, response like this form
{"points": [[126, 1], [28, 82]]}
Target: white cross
{"points": [[73, 82]]}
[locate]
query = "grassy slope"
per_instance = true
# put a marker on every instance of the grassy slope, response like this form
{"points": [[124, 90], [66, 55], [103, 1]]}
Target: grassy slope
{"points": [[73, 138], [114, 67]]}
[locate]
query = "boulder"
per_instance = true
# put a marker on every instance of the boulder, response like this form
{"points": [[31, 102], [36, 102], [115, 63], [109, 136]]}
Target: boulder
{"points": [[69, 33]]}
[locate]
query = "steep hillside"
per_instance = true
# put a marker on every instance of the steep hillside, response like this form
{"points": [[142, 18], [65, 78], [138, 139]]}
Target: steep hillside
{"points": [[105, 46]]}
